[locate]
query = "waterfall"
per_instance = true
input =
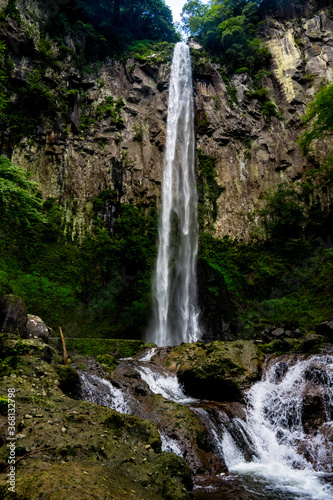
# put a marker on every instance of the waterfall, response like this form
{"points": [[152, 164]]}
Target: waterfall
{"points": [[175, 282]]}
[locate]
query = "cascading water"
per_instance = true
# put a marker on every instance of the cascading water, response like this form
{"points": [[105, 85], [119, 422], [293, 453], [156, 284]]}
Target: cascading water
{"points": [[279, 448], [99, 390], [284, 454], [175, 282]]}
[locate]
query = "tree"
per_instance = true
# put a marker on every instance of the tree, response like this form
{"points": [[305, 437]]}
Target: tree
{"points": [[192, 16]]}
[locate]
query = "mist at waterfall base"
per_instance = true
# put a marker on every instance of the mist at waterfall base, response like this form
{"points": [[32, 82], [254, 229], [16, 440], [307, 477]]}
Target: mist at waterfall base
{"points": [[269, 453], [174, 287]]}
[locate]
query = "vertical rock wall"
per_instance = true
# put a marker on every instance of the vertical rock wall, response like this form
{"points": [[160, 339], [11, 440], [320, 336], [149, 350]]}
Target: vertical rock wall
{"points": [[253, 152]]}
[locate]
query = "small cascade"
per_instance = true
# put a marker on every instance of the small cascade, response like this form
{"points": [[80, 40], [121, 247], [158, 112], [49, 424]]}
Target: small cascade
{"points": [[165, 384], [175, 282], [100, 391], [287, 455], [169, 444], [278, 447]]}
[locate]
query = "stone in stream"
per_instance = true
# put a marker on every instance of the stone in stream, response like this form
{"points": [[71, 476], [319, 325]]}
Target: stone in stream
{"points": [[218, 371]]}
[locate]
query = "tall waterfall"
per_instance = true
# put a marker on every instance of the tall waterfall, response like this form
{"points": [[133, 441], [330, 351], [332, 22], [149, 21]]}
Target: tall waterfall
{"points": [[175, 282]]}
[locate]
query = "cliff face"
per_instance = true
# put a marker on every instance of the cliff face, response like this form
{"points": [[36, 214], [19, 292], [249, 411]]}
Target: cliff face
{"points": [[302, 56], [122, 149]]}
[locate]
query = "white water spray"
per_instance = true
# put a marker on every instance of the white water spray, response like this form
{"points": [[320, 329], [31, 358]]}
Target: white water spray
{"points": [[99, 390], [283, 452], [175, 282], [165, 384]]}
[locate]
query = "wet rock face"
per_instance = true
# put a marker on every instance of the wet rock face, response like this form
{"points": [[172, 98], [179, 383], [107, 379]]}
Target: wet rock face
{"points": [[13, 315]]}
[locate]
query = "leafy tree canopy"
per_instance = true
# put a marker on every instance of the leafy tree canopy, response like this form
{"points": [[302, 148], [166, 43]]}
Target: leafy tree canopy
{"points": [[227, 28], [112, 25]]}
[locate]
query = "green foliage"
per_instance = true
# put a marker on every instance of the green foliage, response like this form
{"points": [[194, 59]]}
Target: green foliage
{"points": [[228, 27], [20, 206], [101, 28], [286, 278], [106, 109], [11, 11], [5, 68], [283, 216], [104, 282], [208, 189], [149, 51], [47, 55], [3, 406], [138, 133], [231, 91], [318, 118], [263, 95]]}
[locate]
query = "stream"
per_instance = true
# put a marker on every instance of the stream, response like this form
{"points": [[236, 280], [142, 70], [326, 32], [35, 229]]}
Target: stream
{"points": [[278, 445]]}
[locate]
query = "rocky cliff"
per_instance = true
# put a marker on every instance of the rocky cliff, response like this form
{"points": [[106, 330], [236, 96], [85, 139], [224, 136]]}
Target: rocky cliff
{"points": [[119, 147]]}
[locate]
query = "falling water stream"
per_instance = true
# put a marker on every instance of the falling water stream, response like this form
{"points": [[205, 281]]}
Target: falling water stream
{"points": [[175, 283]]}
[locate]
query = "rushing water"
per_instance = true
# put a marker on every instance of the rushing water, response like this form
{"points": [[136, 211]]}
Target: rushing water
{"points": [[175, 282], [100, 391], [164, 384], [279, 447], [285, 454]]}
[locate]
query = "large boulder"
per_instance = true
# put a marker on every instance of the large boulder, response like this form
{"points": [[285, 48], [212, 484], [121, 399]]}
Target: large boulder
{"points": [[218, 370], [36, 327], [326, 329], [13, 315]]}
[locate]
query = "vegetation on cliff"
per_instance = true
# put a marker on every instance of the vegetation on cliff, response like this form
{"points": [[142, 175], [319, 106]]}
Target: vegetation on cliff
{"points": [[102, 283], [232, 30]]}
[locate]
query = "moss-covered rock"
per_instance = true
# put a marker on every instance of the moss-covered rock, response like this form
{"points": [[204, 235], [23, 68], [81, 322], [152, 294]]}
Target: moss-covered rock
{"points": [[69, 381], [218, 370], [84, 450], [108, 362], [119, 348], [310, 343]]}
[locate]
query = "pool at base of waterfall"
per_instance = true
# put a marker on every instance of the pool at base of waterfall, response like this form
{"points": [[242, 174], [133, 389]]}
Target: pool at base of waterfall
{"points": [[254, 486]]}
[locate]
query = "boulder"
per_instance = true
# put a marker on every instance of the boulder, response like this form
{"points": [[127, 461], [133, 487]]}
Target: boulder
{"points": [[326, 329], [218, 370], [13, 315], [36, 327]]}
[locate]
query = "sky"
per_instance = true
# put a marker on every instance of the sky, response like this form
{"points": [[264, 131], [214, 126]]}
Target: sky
{"points": [[176, 7]]}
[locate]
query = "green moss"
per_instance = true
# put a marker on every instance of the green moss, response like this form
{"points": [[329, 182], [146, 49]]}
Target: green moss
{"points": [[231, 90], [11, 11], [138, 133], [120, 348], [107, 361], [208, 189], [3, 406], [309, 343]]}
